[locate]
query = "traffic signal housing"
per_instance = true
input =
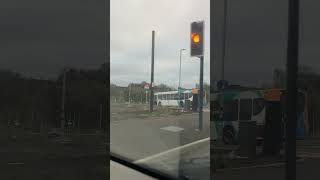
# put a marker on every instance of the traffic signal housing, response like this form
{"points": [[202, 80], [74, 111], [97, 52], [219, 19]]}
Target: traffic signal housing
{"points": [[197, 38]]}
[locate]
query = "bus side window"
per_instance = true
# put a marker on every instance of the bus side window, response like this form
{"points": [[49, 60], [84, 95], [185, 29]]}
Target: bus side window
{"points": [[176, 96], [230, 110], [181, 96], [258, 105], [245, 109], [171, 97]]}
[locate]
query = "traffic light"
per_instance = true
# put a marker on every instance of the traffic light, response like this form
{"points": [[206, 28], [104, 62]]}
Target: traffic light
{"points": [[197, 38]]}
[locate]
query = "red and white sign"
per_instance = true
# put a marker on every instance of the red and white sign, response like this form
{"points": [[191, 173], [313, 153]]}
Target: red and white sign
{"points": [[146, 86]]}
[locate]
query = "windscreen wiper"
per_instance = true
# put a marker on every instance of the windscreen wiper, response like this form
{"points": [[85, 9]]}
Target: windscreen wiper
{"points": [[148, 171]]}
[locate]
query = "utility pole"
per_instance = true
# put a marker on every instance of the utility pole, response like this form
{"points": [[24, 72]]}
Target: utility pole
{"points": [[146, 96], [63, 100], [152, 72], [130, 93], [201, 94], [180, 68], [224, 36], [179, 87], [291, 100], [100, 116]]}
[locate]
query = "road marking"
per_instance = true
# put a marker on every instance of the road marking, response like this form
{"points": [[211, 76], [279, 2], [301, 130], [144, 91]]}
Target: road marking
{"points": [[172, 128], [15, 163], [171, 150]]}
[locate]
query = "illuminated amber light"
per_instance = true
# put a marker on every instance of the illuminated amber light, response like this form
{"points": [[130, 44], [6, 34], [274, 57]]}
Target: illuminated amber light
{"points": [[195, 37]]}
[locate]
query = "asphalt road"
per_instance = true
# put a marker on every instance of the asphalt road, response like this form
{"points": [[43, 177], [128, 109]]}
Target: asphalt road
{"points": [[308, 169], [37, 159], [137, 136], [307, 166]]}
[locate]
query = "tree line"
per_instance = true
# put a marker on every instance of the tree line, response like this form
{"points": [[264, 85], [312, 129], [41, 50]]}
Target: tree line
{"points": [[138, 94], [37, 103]]}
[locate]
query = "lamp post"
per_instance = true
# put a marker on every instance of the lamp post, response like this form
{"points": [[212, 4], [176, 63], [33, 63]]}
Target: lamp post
{"points": [[180, 68], [180, 76]]}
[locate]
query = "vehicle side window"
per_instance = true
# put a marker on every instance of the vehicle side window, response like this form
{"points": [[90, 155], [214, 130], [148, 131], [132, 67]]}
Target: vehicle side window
{"points": [[215, 105], [300, 102], [258, 105], [176, 96], [245, 109], [171, 97], [181, 96], [230, 111]]}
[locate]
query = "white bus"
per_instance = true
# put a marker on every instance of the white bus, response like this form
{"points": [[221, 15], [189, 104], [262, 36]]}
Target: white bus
{"points": [[170, 98]]}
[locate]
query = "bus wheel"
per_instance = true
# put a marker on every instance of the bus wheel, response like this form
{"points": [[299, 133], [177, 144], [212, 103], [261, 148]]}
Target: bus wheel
{"points": [[159, 104], [228, 136]]}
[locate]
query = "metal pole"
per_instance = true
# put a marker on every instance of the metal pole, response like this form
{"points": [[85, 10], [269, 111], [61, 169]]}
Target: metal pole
{"points": [[152, 72], [313, 125], [130, 93], [146, 96], [63, 99], [201, 93], [79, 121], [100, 116], [224, 36], [180, 76], [74, 119], [180, 72], [292, 67]]}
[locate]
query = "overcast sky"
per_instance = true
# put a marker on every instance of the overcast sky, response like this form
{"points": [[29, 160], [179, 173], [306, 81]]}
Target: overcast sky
{"points": [[256, 39], [131, 25], [40, 37]]}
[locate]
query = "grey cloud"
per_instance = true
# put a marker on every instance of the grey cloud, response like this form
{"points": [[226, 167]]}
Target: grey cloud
{"points": [[40, 37], [131, 37]]}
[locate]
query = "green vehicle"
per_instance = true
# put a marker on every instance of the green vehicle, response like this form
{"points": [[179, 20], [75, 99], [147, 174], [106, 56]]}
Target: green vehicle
{"points": [[232, 106]]}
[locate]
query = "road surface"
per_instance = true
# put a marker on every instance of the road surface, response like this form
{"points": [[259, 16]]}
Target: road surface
{"points": [[138, 137], [37, 159]]}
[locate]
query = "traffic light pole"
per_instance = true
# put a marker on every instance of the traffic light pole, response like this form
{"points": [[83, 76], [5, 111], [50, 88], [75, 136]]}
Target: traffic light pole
{"points": [[152, 72], [197, 50], [291, 100], [201, 94]]}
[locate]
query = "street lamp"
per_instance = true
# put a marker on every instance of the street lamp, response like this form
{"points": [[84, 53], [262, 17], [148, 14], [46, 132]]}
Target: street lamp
{"points": [[180, 76], [180, 68]]}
